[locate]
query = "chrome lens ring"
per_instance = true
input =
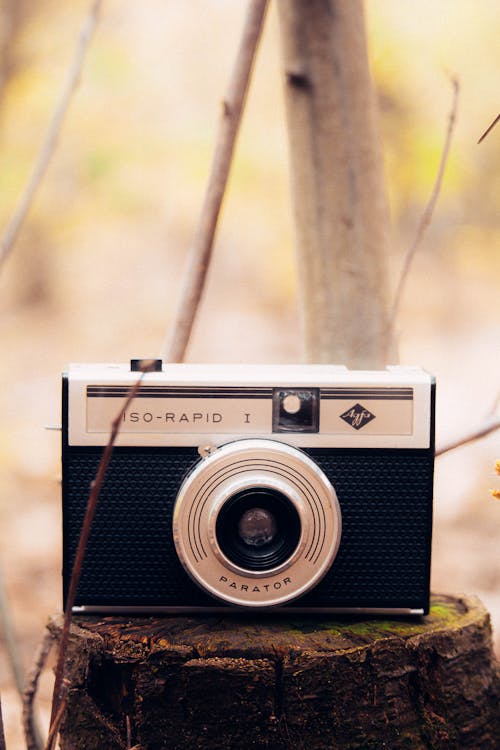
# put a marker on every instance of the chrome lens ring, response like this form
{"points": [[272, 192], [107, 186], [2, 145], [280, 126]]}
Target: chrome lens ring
{"points": [[234, 488], [266, 466]]}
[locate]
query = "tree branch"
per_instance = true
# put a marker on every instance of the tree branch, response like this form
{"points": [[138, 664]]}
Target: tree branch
{"points": [[2, 735], [490, 423], [429, 209], [32, 733], [50, 141], [14, 659], [59, 691], [11, 648], [488, 130], [55, 723], [201, 248]]}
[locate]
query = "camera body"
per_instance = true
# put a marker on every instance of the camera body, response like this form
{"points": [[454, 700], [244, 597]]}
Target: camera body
{"points": [[251, 487]]}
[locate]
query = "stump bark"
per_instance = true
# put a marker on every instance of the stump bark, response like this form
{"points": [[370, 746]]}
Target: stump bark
{"points": [[293, 681]]}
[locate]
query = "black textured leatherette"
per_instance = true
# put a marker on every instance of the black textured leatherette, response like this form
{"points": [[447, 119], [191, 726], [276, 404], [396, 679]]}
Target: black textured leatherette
{"points": [[383, 560]]}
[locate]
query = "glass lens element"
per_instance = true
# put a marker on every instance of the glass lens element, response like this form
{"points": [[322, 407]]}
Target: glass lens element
{"points": [[257, 526]]}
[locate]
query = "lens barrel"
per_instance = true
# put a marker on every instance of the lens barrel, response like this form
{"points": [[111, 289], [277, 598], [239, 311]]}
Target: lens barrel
{"points": [[261, 556], [256, 523]]}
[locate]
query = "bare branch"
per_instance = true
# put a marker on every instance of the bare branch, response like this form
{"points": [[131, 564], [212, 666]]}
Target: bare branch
{"points": [[55, 724], [11, 647], [489, 425], [201, 248], [32, 733], [2, 735], [14, 659], [429, 209], [59, 691], [488, 130], [50, 141]]}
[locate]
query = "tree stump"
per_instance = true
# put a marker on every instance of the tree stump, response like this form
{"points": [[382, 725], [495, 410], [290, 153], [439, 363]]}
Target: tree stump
{"points": [[294, 681]]}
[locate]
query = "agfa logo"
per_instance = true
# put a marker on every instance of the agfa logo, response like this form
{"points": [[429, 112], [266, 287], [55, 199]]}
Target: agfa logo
{"points": [[357, 416]]}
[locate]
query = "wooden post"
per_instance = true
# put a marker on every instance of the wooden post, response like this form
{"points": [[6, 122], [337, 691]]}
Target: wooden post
{"points": [[338, 192], [228, 682]]}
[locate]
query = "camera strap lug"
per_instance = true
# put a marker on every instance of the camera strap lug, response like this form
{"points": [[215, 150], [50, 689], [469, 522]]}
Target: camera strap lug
{"points": [[206, 450]]}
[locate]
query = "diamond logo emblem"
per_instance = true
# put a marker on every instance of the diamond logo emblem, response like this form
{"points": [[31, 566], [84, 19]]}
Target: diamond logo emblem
{"points": [[357, 416]]}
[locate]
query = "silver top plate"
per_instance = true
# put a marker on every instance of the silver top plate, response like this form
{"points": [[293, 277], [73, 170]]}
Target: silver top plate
{"points": [[302, 405]]}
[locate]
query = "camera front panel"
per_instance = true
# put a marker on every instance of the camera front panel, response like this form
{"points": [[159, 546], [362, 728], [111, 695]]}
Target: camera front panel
{"points": [[383, 496], [383, 560]]}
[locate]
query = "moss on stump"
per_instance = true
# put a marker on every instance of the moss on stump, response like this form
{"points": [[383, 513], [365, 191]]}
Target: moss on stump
{"points": [[293, 681]]}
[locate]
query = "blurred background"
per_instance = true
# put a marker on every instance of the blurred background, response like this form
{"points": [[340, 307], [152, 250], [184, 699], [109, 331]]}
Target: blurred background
{"points": [[95, 273]]}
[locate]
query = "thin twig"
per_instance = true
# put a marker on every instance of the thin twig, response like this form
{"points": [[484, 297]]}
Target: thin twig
{"points": [[201, 247], [7, 628], [2, 735], [32, 733], [50, 141], [429, 209], [489, 425], [55, 724], [14, 660], [95, 489], [488, 130]]}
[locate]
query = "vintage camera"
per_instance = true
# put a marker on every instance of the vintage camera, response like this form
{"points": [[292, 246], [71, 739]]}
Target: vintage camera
{"points": [[300, 487]]}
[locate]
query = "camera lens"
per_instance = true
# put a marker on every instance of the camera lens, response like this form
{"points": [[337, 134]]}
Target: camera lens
{"points": [[257, 526], [257, 523], [258, 529]]}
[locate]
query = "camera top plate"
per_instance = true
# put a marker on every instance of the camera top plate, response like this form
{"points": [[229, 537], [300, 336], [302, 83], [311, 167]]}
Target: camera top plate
{"points": [[309, 406]]}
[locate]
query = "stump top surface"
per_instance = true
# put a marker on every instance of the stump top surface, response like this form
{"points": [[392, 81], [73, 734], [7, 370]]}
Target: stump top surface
{"points": [[265, 635]]}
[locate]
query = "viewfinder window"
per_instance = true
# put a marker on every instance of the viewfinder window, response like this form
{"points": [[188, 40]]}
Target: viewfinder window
{"points": [[296, 410]]}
